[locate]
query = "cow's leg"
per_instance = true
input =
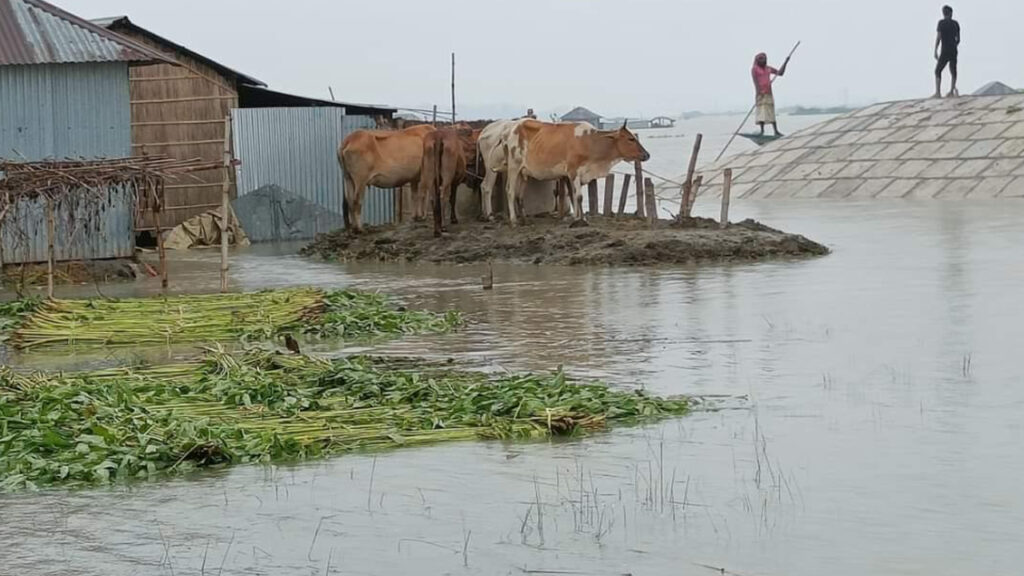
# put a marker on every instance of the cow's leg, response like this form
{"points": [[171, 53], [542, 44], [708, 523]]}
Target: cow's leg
{"points": [[515, 182], [453, 199], [486, 194], [356, 207], [348, 187], [577, 197]]}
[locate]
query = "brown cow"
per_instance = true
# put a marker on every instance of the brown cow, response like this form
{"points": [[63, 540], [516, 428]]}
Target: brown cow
{"points": [[387, 159], [446, 155], [577, 151]]}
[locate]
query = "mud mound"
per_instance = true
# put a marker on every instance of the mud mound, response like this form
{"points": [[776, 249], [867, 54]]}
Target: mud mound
{"points": [[607, 241]]}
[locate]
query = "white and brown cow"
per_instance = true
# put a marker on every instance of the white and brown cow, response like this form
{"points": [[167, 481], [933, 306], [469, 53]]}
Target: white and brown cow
{"points": [[578, 152], [382, 158]]}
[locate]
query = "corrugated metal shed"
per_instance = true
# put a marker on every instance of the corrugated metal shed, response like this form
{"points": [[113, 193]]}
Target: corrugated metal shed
{"points": [[297, 150], [36, 32], [59, 111], [111, 235]]}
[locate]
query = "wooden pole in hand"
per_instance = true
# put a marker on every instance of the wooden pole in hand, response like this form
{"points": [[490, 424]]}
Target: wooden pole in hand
{"points": [[684, 203], [50, 232], [624, 194], [225, 203], [639, 169], [609, 190], [723, 221]]}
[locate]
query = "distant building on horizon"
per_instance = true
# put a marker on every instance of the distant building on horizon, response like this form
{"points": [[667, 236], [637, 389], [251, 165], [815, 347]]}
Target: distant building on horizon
{"points": [[581, 114], [995, 88]]}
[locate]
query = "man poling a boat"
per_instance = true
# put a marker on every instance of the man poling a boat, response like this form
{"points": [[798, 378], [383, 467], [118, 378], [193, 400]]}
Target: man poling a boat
{"points": [[763, 75]]}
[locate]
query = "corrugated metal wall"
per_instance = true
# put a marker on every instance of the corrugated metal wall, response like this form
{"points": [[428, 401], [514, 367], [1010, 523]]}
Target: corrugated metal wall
{"points": [[297, 150], [62, 111], [79, 234]]}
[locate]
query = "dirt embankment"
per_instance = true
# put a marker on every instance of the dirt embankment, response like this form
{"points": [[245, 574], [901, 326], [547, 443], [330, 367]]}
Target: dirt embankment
{"points": [[607, 241]]}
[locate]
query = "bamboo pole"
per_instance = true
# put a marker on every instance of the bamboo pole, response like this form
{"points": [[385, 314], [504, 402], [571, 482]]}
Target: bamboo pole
{"points": [[158, 202], [453, 88], [50, 232], [652, 202], [726, 192], [225, 199], [684, 201], [609, 190], [592, 197], [624, 194], [639, 169]]}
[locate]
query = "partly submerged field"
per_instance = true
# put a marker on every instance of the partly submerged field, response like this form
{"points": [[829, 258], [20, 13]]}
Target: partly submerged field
{"points": [[607, 241]]}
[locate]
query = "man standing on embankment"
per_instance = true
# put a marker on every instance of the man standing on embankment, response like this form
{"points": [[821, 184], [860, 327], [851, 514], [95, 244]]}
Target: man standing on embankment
{"points": [[763, 76], [948, 38]]}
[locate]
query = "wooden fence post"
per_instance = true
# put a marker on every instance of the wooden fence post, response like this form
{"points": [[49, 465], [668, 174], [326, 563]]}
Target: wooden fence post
{"points": [[624, 194], [609, 190], [157, 191], [695, 189], [50, 232], [726, 191], [639, 169], [592, 197], [685, 202], [652, 202], [225, 200]]}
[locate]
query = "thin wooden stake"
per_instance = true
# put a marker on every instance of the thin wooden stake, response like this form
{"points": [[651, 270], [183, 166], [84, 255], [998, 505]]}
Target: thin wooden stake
{"points": [[639, 169], [433, 120], [687, 191], [609, 191], [453, 88], [50, 232], [652, 202], [624, 194], [156, 189], [225, 208], [726, 192], [592, 197], [693, 197]]}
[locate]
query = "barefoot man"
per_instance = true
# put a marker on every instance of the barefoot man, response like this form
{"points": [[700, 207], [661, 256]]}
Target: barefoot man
{"points": [[948, 38], [763, 76]]}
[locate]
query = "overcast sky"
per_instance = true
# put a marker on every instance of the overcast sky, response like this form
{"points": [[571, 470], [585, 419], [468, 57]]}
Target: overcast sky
{"points": [[635, 57]]}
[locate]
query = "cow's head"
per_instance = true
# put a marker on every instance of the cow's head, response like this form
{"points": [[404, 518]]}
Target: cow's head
{"points": [[628, 147]]}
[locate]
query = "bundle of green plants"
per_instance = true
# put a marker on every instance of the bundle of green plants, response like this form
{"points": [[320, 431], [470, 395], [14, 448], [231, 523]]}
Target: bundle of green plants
{"points": [[143, 422], [215, 318]]}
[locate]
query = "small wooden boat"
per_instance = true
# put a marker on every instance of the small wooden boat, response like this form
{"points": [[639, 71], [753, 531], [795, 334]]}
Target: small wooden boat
{"points": [[761, 139]]}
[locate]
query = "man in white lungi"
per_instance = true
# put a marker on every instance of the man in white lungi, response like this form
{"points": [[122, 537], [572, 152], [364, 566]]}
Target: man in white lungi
{"points": [[763, 75]]}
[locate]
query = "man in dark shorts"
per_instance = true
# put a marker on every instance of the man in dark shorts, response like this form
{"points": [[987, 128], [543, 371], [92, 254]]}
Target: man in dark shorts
{"points": [[948, 37]]}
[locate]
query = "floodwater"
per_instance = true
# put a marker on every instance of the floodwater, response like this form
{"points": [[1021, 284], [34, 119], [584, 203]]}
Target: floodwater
{"points": [[878, 428]]}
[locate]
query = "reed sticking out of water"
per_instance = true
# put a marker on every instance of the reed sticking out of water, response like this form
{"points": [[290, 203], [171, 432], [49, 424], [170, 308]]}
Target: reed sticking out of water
{"points": [[124, 423], [214, 318]]}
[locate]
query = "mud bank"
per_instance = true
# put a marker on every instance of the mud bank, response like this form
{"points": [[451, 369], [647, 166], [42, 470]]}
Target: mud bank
{"points": [[607, 241]]}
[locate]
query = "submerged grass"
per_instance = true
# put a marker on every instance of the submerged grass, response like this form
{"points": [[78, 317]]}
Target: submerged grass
{"points": [[124, 423], [213, 318]]}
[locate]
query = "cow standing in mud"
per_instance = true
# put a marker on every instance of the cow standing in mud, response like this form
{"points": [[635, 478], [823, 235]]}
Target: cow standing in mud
{"points": [[446, 155], [578, 152], [382, 158]]}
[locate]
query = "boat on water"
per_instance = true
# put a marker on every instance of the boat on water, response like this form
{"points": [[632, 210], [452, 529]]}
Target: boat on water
{"points": [[761, 139]]}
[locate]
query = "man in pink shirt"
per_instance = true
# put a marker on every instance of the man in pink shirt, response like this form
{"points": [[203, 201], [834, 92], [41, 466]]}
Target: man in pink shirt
{"points": [[763, 76]]}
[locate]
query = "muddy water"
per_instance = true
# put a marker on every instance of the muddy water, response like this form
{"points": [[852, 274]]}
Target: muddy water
{"points": [[881, 432]]}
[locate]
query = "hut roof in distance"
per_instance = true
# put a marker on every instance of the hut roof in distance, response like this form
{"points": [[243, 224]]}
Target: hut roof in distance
{"points": [[580, 114], [37, 32], [966, 147], [995, 88]]}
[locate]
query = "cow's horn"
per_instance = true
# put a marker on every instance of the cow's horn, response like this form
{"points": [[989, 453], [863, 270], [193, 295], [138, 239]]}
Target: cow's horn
{"points": [[624, 123]]}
